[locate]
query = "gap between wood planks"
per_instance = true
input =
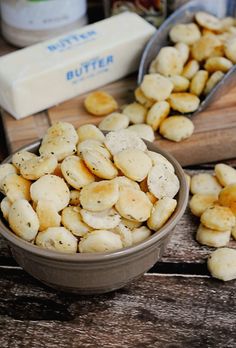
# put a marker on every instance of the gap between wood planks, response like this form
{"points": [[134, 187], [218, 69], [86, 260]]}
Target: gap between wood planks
{"points": [[149, 273], [160, 268]]}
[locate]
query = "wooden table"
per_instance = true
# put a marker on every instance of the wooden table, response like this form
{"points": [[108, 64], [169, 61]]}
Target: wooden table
{"points": [[176, 304]]}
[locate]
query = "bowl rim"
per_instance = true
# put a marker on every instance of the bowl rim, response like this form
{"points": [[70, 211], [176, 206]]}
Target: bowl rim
{"points": [[182, 201]]}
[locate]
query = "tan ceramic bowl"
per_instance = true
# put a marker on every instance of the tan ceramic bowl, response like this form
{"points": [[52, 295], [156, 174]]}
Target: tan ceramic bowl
{"points": [[101, 272]]}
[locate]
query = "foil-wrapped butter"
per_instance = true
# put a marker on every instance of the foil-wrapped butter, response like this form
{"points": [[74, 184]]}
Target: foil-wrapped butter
{"points": [[42, 75]]}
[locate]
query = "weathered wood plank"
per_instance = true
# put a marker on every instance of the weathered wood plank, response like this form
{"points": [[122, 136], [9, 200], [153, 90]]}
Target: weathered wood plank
{"points": [[152, 312], [214, 128], [73, 110], [203, 147], [230, 162], [25, 131]]}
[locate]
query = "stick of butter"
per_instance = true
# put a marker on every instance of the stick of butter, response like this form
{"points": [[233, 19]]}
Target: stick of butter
{"points": [[40, 76]]}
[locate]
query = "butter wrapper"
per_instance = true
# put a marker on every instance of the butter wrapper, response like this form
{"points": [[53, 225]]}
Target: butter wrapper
{"points": [[43, 75]]}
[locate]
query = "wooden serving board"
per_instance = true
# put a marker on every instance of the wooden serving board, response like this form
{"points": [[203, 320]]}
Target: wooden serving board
{"points": [[214, 138]]}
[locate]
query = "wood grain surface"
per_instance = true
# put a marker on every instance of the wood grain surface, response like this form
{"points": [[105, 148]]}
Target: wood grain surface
{"points": [[215, 128], [137, 316]]}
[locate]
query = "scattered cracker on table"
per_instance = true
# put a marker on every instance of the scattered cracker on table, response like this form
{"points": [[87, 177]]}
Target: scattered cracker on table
{"points": [[214, 202]]}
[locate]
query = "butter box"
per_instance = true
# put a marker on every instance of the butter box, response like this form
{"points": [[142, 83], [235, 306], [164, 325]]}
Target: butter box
{"points": [[40, 76]]}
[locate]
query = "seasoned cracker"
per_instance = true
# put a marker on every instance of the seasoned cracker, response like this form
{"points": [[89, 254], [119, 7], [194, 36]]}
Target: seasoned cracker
{"points": [[47, 215], [222, 264], [161, 212], [205, 183], [225, 174], [140, 234], [133, 163], [144, 131], [5, 207], [57, 239], [75, 172], [200, 202], [218, 218], [100, 103], [71, 219], [205, 47], [157, 113], [16, 187], [60, 140], [23, 220], [102, 220], [212, 238], [227, 197], [113, 122], [190, 69], [34, 168], [186, 33], [51, 188], [90, 131], [21, 157], [158, 158], [162, 182], [123, 181], [198, 82], [181, 83], [169, 61], [212, 81], [218, 64], [99, 165], [133, 204], [93, 145], [156, 87], [184, 102], [135, 112], [123, 140], [125, 234], [5, 170], [99, 196], [230, 49], [208, 21], [184, 50], [176, 128], [100, 241]]}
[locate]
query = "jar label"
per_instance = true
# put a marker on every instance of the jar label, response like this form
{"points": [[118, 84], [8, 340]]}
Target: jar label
{"points": [[42, 14]]}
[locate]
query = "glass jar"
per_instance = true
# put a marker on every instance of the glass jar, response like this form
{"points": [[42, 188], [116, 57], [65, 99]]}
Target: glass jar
{"points": [[154, 11], [26, 22]]}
